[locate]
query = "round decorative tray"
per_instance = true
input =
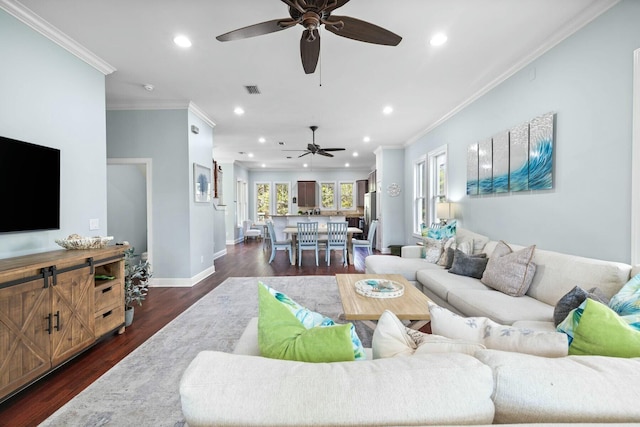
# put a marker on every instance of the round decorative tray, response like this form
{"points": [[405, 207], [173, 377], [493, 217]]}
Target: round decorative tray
{"points": [[85, 242], [379, 288]]}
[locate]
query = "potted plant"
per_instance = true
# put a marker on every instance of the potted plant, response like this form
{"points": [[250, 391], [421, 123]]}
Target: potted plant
{"points": [[136, 283]]}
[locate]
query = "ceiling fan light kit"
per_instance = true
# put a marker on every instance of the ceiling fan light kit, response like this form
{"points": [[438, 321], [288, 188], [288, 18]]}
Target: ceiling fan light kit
{"points": [[314, 148], [311, 14]]}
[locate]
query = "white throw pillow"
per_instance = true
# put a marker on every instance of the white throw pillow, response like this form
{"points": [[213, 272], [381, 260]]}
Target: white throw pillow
{"points": [[392, 338], [432, 249], [494, 336]]}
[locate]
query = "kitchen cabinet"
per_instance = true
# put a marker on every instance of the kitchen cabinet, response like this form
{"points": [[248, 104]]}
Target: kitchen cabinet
{"points": [[48, 311], [306, 194], [361, 189]]}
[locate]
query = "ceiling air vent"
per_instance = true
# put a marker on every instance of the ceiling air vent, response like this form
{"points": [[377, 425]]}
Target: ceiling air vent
{"points": [[253, 90]]}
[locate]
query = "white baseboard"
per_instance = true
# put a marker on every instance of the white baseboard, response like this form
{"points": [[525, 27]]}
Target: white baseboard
{"points": [[181, 282], [219, 254], [385, 251], [235, 242]]}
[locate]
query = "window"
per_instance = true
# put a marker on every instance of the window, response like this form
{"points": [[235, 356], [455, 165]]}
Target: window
{"points": [[347, 195], [328, 195], [282, 198], [419, 194], [263, 199], [242, 200], [437, 180]]}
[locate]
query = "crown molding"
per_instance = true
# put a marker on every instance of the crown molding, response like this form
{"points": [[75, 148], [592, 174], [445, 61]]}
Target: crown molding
{"points": [[588, 15], [33, 20], [193, 108]]}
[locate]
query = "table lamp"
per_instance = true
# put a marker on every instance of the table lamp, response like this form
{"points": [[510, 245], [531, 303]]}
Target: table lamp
{"points": [[443, 212]]}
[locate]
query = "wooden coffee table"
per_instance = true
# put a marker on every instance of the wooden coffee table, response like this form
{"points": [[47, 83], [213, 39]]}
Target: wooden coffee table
{"points": [[411, 306]]}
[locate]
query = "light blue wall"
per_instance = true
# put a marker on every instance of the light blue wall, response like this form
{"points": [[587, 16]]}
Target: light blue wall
{"points": [[391, 209], [127, 203], [161, 135], [587, 81], [50, 97], [201, 224]]}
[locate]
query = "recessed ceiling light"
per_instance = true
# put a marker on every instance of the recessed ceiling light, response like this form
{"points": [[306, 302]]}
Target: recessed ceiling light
{"points": [[387, 110], [262, 140], [438, 39], [148, 87], [182, 41], [346, 165], [264, 166], [239, 111], [355, 154], [250, 154], [366, 139], [305, 165]]}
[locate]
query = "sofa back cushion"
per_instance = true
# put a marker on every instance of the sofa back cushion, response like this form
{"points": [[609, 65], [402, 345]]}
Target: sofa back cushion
{"points": [[479, 240], [229, 389], [557, 273]]}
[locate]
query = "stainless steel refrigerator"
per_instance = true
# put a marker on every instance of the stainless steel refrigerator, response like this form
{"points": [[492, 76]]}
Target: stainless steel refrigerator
{"points": [[369, 212]]}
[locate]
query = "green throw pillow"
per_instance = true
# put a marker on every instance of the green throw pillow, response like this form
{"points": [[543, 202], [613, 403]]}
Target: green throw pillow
{"points": [[602, 332], [282, 336]]}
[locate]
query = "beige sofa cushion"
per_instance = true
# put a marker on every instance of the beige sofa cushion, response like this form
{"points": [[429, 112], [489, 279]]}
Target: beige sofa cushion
{"points": [[441, 282], [427, 389], [500, 307], [557, 273], [388, 264], [532, 389]]}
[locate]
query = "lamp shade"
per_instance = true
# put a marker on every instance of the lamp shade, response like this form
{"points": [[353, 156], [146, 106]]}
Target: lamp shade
{"points": [[443, 210]]}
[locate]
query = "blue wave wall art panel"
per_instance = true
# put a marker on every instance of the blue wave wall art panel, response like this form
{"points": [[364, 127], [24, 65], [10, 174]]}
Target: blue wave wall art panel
{"points": [[485, 167], [501, 162], [519, 158], [472, 170], [541, 153]]}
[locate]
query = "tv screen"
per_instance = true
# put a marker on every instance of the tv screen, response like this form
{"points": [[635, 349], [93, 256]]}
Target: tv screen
{"points": [[29, 186]]}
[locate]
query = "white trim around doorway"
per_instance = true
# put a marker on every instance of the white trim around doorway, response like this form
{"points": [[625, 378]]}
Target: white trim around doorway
{"points": [[635, 165]]}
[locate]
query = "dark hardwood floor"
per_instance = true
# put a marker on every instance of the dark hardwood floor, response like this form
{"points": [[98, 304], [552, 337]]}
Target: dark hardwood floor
{"points": [[37, 402]]}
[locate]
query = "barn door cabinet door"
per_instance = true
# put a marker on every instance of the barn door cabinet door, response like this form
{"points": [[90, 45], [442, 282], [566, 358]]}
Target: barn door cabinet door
{"points": [[24, 342]]}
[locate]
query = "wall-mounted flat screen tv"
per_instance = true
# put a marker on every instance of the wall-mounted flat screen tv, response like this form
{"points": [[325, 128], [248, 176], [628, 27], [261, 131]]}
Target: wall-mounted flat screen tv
{"points": [[29, 186]]}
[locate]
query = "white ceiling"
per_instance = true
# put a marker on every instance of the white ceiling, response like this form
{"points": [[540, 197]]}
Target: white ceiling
{"points": [[488, 40]]}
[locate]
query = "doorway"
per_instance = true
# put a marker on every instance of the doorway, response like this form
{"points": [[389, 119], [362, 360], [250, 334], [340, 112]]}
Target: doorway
{"points": [[129, 204]]}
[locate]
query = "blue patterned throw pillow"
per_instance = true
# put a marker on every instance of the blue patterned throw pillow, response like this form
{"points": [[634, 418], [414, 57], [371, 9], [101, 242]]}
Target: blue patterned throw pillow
{"points": [[444, 232], [627, 300]]}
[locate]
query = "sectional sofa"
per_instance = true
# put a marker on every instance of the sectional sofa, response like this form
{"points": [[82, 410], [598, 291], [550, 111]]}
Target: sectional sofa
{"points": [[488, 387], [556, 274], [482, 387]]}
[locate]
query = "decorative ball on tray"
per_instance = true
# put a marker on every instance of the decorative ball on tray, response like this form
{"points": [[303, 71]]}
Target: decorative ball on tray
{"points": [[76, 241], [379, 288]]}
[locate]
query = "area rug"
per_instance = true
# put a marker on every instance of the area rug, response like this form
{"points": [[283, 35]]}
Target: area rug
{"points": [[142, 389]]}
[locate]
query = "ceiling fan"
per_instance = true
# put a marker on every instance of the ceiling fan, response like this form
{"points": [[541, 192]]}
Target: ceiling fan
{"points": [[314, 148], [311, 14]]}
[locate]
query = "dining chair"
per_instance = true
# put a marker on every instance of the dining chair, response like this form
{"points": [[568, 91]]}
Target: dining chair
{"points": [[337, 240], [278, 244], [266, 239], [307, 239], [247, 231], [368, 242]]}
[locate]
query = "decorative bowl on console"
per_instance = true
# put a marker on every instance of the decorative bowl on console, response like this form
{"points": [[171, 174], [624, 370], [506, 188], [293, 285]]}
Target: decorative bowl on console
{"points": [[76, 241]]}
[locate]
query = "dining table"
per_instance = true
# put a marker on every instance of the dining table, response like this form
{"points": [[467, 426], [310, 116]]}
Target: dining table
{"points": [[292, 230]]}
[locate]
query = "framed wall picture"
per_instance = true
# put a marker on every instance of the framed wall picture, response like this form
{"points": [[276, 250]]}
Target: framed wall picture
{"points": [[201, 183]]}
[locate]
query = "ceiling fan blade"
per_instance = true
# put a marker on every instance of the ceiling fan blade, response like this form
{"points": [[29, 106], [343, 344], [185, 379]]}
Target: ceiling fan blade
{"points": [[257, 30], [310, 50], [301, 155], [362, 31], [338, 3], [323, 153], [332, 149]]}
